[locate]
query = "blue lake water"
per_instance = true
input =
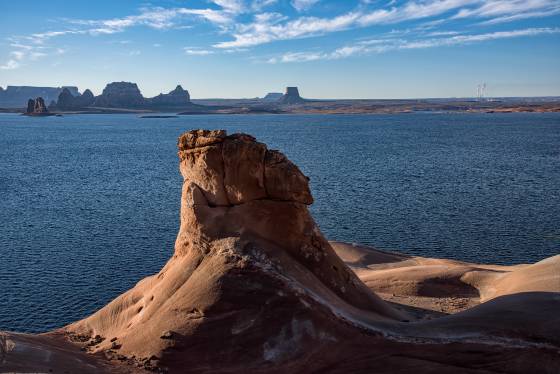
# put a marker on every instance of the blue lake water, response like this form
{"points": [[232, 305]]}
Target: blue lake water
{"points": [[89, 204]]}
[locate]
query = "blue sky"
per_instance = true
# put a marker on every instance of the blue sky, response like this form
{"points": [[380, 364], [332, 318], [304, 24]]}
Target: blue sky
{"points": [[246, 48]]}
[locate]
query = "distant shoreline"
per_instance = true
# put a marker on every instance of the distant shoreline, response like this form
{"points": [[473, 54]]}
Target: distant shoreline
{"points": [[258, 106]]}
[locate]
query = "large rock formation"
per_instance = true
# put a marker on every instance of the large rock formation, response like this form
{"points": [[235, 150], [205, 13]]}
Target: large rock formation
{"points": [[17, 96], [37, 107], [176, 98], [68, 101], [249, 263], [126, 95], [120, 95], [291, 96]]}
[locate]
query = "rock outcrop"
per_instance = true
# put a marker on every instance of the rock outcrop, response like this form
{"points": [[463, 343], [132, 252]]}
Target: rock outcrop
{"points": [[291, 96], [178, 98], [68, 101], [249, 263], [120, 95], [126, 95], [37, 107]]}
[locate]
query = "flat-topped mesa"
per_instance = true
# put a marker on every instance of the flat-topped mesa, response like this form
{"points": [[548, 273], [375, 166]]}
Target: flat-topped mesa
{"points": [[120, 95]]}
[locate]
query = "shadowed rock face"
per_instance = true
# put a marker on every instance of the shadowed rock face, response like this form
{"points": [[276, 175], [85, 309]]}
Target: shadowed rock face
{"points": [[291, 96]]}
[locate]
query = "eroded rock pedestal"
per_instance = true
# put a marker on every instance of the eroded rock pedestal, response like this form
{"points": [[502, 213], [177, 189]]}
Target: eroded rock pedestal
{"points": [[254, 287], [252, 283]]}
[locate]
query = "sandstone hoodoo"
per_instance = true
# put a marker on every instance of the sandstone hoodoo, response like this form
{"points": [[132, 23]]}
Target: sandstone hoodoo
{"points": [[291, 96], [249, 262]]}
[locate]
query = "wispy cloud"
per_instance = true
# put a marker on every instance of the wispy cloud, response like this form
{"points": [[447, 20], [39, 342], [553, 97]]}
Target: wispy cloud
{"points": [[267, 29], [197, 52], [302, 5], [11, 64], [386, 45]]}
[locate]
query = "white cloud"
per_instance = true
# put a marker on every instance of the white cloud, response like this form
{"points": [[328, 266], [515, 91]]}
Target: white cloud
{"points": [[197, 52], [386, 45], [263, 30], [302, 5], [10, 65]]}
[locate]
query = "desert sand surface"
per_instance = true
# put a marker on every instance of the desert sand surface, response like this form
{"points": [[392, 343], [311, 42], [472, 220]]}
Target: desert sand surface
{"points": [[444, 286], [254, 287]]}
